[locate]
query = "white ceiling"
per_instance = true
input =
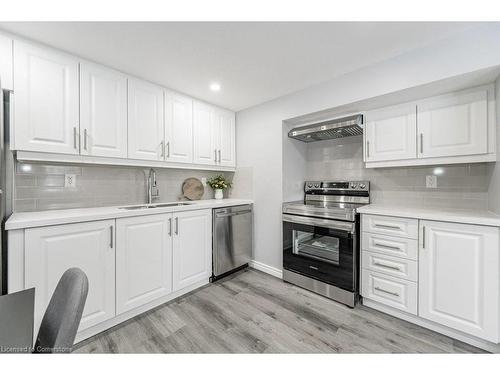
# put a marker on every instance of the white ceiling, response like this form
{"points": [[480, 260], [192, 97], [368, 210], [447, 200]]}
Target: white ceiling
{"points": [[253, 62]]}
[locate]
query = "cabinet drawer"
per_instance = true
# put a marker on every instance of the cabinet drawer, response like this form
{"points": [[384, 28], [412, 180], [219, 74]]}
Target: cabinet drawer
{"points": [[397, 267], [393, 246], [391, 291], [390, 225]]}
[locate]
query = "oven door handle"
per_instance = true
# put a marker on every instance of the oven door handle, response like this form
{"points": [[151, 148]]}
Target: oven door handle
{"points": [[325, 223]]}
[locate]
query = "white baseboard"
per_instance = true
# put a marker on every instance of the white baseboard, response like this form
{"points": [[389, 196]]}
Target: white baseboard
{"points": [[276, 272]]}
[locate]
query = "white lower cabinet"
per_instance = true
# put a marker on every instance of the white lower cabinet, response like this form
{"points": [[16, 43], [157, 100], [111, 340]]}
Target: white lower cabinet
{"points": [[392, 291], [49, 251], [459, 277], [451, 279], [130, 262], [392, 266], [192, 247], [143, 260]]}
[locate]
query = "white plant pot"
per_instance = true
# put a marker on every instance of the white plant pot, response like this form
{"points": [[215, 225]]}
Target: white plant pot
{"points": [[219, 194]]}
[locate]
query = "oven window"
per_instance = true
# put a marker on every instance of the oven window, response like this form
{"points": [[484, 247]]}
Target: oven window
{"points": [[316, 246]]}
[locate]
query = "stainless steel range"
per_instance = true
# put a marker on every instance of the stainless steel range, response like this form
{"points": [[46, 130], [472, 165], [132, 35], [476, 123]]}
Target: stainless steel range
{"points": [[321, 238]]}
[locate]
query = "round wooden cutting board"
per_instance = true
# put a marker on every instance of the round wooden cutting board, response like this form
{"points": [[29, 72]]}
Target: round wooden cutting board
{"points": [[193, 189]]}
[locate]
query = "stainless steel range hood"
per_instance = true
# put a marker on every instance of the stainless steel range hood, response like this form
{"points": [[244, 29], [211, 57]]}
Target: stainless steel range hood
{"points": [[331, 129]]}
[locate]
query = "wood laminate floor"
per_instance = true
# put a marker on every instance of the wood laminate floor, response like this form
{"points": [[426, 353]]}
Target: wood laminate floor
{"points": [[252, 312]]}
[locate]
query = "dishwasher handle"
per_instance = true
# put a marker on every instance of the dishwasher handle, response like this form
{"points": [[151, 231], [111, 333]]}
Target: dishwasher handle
{"points": [[233, 213]]}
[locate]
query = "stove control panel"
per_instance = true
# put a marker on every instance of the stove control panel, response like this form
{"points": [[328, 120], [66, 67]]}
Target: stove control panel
{"points": [[326, 186]]}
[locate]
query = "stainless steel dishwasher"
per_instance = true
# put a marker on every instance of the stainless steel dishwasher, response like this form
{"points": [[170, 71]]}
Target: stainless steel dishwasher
{"points": [[232, 239]]}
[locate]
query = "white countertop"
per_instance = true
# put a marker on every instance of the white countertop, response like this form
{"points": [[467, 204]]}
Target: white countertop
{"points": [[465, 216], [22, 220]]}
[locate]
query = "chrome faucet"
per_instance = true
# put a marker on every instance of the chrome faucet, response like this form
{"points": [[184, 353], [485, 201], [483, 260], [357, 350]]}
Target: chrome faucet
{"points": [[153, 190]]}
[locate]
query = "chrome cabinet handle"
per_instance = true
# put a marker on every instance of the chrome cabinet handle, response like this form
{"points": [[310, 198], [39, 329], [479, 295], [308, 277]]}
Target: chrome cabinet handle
{"points": [[170, 227], [215, 152], [85, 139], [421, 143], [367, 149], [387, 266], [162, 149], [111, 236], [74, 138], [423, 237], [167, 146], [219, 157], [386, 246], [176, 225], [386, 291], [387, 226]]}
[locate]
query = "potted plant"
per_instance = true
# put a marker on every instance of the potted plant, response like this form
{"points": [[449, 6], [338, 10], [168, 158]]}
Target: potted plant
{"points": [[219, 183]]}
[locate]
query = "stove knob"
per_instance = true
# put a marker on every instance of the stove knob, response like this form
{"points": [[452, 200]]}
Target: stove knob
{"points": [[310, 186], [353, 185], [362, 186], [316, 186]]}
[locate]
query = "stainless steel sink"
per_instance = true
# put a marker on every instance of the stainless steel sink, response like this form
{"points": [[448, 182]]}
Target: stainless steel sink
{"points": [[174, 204], [159, 205]]}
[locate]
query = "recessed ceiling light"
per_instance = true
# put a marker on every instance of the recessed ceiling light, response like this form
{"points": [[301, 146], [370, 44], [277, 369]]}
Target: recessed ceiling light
{"points": [[215, 86]]}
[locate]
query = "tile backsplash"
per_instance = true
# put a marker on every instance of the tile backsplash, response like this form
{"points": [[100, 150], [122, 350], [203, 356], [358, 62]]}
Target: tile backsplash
{"points": [[459, 186], [39, 186]]}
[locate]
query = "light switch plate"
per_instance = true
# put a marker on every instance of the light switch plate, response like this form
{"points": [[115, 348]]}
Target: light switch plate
{"points": [[431, 182], [70, 180]]}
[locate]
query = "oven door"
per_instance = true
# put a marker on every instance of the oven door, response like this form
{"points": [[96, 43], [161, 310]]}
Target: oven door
{"points": [[320, 248]]}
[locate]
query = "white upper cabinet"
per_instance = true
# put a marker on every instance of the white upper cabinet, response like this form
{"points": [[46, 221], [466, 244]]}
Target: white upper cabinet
{"points": [[214, 136], [46, 100], [178, 128], [453, 125], [204, 137], [143, 260], [390, 133], [459, 127], [66, 105], [50, 251], [145, 121], [103, 111], [6, 63], [225, 138], [459, 277], [192, 248]]}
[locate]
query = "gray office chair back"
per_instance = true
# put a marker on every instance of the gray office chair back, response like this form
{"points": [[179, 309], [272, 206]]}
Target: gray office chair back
{"points": [[64, 312]]}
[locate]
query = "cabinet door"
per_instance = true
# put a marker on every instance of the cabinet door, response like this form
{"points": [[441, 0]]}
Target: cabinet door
{"points": [[204, 137], [178, 128], [103, 111], [226, 138], [458, 277], [6, 63], [390, 133], [145, 121], [453, 125], [143, 260], [49, 251], [46, 100], [192, 248]]}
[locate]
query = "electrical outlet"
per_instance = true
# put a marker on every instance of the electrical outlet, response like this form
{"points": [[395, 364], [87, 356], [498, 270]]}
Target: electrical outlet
{"points": [[204, 181], [70, 180], [431, 182]]}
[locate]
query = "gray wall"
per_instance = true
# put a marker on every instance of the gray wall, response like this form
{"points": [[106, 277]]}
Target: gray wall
{"points": [[458, 186], [41, 186]]}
